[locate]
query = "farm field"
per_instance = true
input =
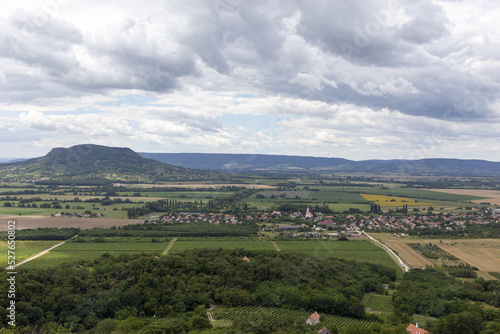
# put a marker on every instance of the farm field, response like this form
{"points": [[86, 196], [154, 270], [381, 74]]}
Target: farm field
{"points": [[378, 303], [341, 207], [286, 194], [357, 250], [26, 222], [192, 194], [486, 259], [409, 255], [393, 201], [254, 313], [337, 196], [483, 195], [72, 251], [181, 246], [201, 185], [482, 253], [25, 249]]}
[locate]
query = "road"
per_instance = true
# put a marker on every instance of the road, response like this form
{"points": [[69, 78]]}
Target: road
{"points": [[42, 253], [398, 260]]}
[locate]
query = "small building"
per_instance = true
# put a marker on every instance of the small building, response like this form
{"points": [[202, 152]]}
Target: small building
{"points": [[313, 319], [246, 259], [414, 329], [324, 330], [327, 223]]}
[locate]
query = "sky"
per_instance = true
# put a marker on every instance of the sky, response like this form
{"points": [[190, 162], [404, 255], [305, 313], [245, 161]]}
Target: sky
{"points": [[378, 79]]}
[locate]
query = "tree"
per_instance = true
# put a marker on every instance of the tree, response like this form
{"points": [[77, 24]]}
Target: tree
{"points": [[106, 326]]}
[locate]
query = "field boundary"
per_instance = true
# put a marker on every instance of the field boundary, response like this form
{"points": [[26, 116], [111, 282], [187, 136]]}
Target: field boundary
{"points": [[170, 244], [276, 246], [42, 252]]}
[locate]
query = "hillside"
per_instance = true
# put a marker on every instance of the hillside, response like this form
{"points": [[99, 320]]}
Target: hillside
{"points": [[97, 162], [263, 162]]}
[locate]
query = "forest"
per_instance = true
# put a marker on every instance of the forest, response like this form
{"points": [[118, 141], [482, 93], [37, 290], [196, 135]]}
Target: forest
{"points": [[83, 294]]}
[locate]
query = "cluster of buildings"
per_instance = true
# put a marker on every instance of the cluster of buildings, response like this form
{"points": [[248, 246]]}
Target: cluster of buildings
{"points": [[314, 224]]}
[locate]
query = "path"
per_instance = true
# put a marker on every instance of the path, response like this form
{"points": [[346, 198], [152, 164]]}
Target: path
{"points": [[43, 252], [398, 260], [170, 244], [210, 317], [276, 246]]}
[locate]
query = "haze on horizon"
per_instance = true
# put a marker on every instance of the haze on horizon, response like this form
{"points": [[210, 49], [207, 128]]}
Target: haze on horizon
{"points": [[351, 79]]}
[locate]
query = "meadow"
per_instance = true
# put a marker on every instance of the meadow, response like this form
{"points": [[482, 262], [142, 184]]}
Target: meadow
{"points": [[73, 251], [24, 249]]}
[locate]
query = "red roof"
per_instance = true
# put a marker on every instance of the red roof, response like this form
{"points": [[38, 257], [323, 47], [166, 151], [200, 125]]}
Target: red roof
{"points": [[314, 317], [415, 330]]}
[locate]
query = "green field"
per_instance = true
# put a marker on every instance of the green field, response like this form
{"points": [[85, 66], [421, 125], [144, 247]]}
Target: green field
{"points": [[341, 207], [24, 249], [357, 250], [180, 246], [336, 196], [255, 313], [193, 194], [280, 194], [404, 192], [72, 251]]}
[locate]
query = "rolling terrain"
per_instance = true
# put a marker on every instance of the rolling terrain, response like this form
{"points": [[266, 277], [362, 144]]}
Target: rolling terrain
{"points": [[273, 163]]}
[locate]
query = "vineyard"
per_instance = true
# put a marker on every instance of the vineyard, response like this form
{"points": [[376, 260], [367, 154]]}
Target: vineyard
{"points": [[378, 303], [256, 313], [432, 251]]}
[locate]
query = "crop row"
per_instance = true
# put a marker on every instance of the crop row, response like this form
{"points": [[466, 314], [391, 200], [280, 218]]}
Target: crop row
{"points": [[378, 303], [256, 313]]}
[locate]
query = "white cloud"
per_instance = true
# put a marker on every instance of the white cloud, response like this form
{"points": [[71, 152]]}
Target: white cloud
{"points": [[338, 78]]}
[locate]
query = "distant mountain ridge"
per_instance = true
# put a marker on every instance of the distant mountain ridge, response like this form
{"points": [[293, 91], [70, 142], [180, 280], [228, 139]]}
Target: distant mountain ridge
{"points": [[263, 162], [90, 161]]}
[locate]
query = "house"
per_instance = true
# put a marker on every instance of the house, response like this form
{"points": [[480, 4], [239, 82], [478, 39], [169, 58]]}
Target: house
{"points": [[327, 223], [313, 319], [324, 330], [246, 259], [414, 329]]}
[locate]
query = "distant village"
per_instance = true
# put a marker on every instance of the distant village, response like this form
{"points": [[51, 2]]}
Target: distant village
{"points": [[316, 223]]}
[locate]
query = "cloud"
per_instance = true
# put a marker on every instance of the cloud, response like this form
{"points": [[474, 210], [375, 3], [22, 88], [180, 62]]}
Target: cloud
{"points": [[326, 73]]}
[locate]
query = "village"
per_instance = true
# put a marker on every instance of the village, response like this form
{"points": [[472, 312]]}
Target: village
{"points": [[315, 224]]}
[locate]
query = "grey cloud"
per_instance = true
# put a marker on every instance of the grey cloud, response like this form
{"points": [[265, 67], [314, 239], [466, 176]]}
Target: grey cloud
{"points": [[428, 22]]}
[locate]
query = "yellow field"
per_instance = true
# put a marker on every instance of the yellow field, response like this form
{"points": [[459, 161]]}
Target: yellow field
{"points": [[391, 201]]}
